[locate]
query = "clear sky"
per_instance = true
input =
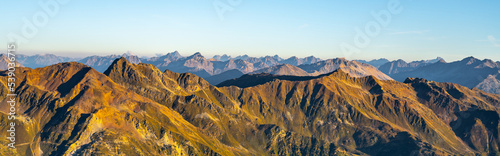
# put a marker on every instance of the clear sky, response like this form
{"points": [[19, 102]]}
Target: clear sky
{"points": [[423, 29]]}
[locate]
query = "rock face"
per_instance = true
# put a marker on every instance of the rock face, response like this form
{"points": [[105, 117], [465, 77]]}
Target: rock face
{"points": [[136, 109]]}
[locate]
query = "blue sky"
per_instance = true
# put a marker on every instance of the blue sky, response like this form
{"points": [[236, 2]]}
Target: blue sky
{"points": [[424, 29]]}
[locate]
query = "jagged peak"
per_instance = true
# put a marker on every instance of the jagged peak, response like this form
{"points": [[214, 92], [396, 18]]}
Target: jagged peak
{"points": [[175, 53], [470, 60], [196, 55], [400, 61], [128, 53], [336, 73], [413, 80], [121, 62], [380, 59], [440, 58], [343, 59], [311, 57], [277, 57], [441, 61], [69, 65], [121, 59]]}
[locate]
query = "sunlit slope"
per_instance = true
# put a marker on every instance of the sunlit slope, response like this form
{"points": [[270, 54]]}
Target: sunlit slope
{"points": [[359, 115], [70, 108]]}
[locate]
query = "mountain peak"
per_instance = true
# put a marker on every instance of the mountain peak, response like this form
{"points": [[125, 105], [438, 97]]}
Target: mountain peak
{"points": [[413, 80], [223, 58], [118, 64], [121, 59], [284, 69], [470, 60], [441, 60], [197, 54], [400, 61], [342, 59], [128, 53], [175, 53]]}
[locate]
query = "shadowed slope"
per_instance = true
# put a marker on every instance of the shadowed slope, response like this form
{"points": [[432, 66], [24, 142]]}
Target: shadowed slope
{"points": [[367, 101], [227, 75], [249, 80]]}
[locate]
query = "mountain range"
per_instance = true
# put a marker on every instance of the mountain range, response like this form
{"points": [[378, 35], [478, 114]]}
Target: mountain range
{"points": [[470, 72], [483, 75], [4, 62], [400, 65], [138, 109], [375, 62]]}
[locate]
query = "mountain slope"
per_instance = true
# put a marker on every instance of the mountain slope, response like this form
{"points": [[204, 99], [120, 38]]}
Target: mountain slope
{"points": [[283, 69], [399, 66], [468, 72], [491, 84], [101, 63], [341, 112], [70, 108], [354, 68], [227, 75], [376, 62], [37, 61], [388, 102]]}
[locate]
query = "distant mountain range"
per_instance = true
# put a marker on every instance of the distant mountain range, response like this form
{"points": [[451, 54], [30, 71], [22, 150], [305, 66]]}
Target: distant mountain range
{"points": [[4, 61], [399, 66], [376, 62], [469, 72], [480, 74], [138, 109]]}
